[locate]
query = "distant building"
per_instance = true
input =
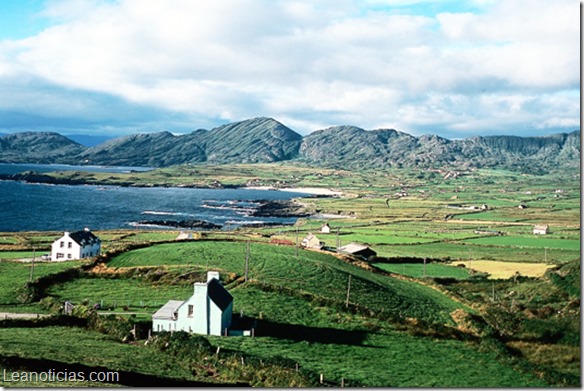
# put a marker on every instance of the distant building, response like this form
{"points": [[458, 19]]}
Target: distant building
{"points": [[358, 250], [311, 241], [184, 235], [522, 206], [76, 245], [325, 228], [540, 230], [208, 311]]}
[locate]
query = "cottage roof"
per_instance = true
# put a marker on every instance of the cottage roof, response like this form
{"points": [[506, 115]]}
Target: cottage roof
{"points": [[167, 311], [540, 227], [84, 238], [353, 248], [218, 294]]}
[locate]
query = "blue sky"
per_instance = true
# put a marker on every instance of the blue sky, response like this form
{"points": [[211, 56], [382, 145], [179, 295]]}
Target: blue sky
{"points": [[453, 68]]}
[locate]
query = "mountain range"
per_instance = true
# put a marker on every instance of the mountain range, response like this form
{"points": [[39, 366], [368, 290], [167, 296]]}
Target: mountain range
{"points": [[262, 140]]}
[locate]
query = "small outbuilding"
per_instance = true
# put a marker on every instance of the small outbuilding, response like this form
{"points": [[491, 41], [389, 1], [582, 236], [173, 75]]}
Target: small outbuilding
{"points": [[325, 228], [184, 235], [540, 230], [358, 250], [311, 241], [208, 311], [75, 245]]}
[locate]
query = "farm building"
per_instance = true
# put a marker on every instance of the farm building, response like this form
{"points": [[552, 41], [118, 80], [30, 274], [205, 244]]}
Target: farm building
{"points": [[208, 311], [540, 230], [325, 228], [311, 241], [76, 245], [358, 250], [184, 235]]}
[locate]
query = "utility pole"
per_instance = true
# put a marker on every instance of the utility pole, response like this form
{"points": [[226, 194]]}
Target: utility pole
{"points": [[338, 241], [493, 293], [545, 254], [424, 266], [246, 261], [348, 292], [32, 265], [296, 250]]}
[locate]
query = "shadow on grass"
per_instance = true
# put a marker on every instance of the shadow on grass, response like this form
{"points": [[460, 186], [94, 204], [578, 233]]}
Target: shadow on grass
{"points": [[325, 335]]}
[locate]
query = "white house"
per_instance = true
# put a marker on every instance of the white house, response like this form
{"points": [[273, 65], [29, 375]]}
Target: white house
{"points": [[208, 311], [75, 245], [311, 241], [540, 230], [325, 228]]}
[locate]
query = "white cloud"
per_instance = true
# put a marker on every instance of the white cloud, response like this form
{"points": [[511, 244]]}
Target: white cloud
{"points": [[312, 63]]}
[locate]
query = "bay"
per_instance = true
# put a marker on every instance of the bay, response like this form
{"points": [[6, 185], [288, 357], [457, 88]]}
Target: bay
{"points": [[41, 207]]}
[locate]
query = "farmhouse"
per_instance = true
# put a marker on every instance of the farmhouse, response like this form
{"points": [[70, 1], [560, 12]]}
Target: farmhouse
{"points": [[76, 245], [358, 250], [208, 311], [311, 241], [540, 230], [325, 228]]}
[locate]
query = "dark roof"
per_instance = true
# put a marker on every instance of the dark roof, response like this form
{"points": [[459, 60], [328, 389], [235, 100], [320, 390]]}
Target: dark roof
{"points": [[84, 238], [218, 294]]}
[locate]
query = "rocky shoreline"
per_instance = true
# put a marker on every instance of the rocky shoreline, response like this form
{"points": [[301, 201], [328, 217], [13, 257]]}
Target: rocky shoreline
{"points": [[193, 224], [279, 208], [265, 208]]}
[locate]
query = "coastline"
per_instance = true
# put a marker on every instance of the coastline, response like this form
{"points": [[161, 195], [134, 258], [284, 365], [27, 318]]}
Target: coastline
{"points": [[305, 190]]}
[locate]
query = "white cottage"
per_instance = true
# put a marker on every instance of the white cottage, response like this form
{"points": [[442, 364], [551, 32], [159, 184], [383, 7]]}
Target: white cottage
{"points": [[540, 229], [75, 245], [325, 228], [208, 311]]}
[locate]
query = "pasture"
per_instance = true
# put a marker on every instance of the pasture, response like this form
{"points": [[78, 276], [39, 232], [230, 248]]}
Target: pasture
{"points": [[14, 276], [498, 269], [417, 270], [309, 272]]}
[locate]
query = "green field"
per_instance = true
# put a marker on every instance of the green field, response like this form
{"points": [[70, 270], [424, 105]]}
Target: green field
{"points": [[14, 275], [539, 242], [277, 265], [416, 270], [88, 348]]}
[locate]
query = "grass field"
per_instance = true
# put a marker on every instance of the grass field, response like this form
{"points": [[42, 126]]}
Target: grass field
{"points": [[464, 251], [363, 349], [416, 270], [277, 265], [539, 242], [14, 275], [88, 348]]}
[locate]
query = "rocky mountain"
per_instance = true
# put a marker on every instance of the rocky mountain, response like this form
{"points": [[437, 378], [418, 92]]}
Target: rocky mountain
{"points": [[348, 145], [262, 140], [37, 147], [251, 141]]}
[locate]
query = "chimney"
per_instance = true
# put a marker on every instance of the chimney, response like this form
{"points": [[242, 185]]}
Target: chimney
{"points": [[200, 288], [86, 229], [211, 275]]}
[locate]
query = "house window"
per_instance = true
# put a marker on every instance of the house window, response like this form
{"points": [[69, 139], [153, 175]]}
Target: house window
{"points": [[69, 256], [69, 245], [62, 244], [190, 311], [60, 255]]}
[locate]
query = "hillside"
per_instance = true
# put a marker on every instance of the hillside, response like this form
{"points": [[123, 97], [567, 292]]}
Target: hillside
{"points": [[37, 147], [348, 145], [265, 140]]}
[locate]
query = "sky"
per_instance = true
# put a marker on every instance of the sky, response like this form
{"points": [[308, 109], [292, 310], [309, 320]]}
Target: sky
{"points": [[452, 68]]}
